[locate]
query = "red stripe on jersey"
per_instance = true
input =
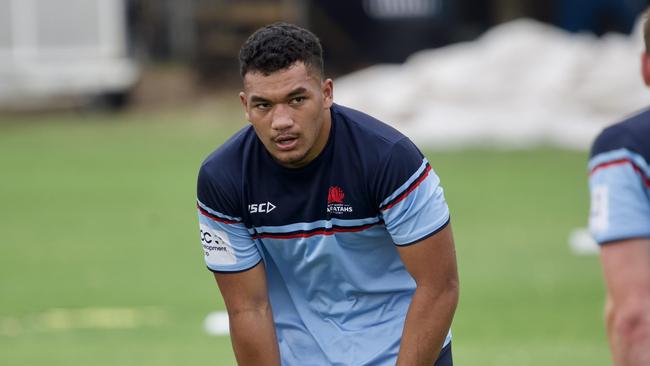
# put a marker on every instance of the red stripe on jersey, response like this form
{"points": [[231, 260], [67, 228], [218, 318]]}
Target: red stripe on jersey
{"points": [[323, 231], [213, 217], [612, 163], [409, 190]]}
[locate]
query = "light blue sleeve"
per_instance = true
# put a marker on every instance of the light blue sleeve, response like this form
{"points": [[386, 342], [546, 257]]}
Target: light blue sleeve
{"points": [[620, 196], [226, 242], [417, 209]]}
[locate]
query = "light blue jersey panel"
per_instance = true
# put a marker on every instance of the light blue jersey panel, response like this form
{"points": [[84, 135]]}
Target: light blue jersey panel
{"points": [[352, 307], [620, 196]]}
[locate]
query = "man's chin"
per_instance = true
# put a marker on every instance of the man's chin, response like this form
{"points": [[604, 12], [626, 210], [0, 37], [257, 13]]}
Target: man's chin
{"points": [[291, 160]]}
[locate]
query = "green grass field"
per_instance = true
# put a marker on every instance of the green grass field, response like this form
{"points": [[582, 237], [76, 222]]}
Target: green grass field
{"points": [[100, 262]]}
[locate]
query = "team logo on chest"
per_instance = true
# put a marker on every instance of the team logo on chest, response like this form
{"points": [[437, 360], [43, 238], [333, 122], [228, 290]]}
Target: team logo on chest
{"points": [[335, 202]]}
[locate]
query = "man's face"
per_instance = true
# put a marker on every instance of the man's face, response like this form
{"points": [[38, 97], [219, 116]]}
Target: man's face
{"points": [[289, 110]]}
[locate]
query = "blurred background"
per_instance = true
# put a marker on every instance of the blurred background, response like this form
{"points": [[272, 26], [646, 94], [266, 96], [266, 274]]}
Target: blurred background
{"points": [[107, 108]]}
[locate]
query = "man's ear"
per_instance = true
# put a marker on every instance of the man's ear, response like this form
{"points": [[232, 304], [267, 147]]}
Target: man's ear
{"points": [[244, 102], [328, 93], [645, 67]]}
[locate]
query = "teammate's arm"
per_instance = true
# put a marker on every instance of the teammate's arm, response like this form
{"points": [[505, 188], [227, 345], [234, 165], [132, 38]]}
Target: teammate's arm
{"points": [[432, 263], [626, 266], [252, 330]]}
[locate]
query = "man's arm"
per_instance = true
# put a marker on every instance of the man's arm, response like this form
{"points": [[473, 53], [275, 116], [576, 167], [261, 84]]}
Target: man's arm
{"points": [[626, 266], [252, 330], [432, 263]]}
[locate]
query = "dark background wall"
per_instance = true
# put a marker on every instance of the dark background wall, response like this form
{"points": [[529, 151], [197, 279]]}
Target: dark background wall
{"points": [[206, 34]]}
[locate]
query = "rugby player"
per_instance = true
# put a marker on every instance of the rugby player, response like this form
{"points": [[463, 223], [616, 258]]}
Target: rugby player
{"points": [[327, 230]]}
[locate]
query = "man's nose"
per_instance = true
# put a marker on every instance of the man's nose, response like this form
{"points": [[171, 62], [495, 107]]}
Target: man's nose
{"points": [[282, 118]]}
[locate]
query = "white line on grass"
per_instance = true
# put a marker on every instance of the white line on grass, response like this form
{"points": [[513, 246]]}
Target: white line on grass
{"points": [[61, 319]]}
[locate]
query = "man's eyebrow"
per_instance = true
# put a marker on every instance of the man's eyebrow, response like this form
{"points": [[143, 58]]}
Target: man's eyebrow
{"points": [[297, 91], [293, 93], [256, 98]]}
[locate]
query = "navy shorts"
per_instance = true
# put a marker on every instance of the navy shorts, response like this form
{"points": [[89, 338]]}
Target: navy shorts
{"points": [[444, 359]]}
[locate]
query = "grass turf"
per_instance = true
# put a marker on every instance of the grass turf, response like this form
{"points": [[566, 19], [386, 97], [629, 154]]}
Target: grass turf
{"points": [[98, 212]]}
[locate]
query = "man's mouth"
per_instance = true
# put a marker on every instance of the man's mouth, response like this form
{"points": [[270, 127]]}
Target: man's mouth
{"points": [[285, 143]]}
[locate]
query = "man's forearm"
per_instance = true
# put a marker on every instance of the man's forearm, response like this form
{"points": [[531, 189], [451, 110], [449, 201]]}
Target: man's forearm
{"points": [[253, 337], [626, 266], [426, 326]]}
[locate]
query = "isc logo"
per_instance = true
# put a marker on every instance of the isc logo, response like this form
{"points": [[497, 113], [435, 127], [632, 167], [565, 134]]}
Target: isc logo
{"points": [[261, 207]]}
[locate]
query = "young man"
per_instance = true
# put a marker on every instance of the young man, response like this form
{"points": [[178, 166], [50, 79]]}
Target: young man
{"points": [[620, 222], [327, 231]]}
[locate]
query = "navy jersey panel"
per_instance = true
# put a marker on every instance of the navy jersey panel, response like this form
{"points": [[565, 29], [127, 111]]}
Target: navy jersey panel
{"points": [[220, 175], [327, 233], [619, 181], [632, 134]]}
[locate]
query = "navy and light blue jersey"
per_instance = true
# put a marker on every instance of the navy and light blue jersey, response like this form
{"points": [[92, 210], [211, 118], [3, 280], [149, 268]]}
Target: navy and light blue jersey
{"points": [[619, 180], [327, 234]]}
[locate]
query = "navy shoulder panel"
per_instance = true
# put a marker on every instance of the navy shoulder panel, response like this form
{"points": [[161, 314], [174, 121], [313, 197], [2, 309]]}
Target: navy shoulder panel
{"points": [[220, 176], [372, 128], [633, 134], [365, 138], [389, 157]]}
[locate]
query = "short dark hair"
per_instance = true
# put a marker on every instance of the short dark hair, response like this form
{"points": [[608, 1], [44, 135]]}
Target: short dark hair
{"points": [[278, 46]]}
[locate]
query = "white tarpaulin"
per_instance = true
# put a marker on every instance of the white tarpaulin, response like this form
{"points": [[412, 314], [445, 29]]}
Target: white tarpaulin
{"points": [[521, 84]]}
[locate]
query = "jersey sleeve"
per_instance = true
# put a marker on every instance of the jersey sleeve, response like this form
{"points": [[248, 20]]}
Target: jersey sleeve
{"points": [[620, 196], [410, 198], [226, 242]]}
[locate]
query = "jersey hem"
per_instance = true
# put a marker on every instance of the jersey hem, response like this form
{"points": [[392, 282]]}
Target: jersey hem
{"points": [[427, 235], [631, 237], [233, 271]]}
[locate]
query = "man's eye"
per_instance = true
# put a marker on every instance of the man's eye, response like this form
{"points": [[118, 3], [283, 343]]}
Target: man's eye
{"points": [[297, 100], [263, 106]]}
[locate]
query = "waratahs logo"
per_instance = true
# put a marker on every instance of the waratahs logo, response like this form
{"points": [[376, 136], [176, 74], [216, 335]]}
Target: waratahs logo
{"points": [[335, 203], [335, 195]]}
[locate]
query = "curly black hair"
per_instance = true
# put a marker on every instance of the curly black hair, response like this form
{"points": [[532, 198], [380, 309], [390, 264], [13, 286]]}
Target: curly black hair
{"points": [[278, 46]]}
